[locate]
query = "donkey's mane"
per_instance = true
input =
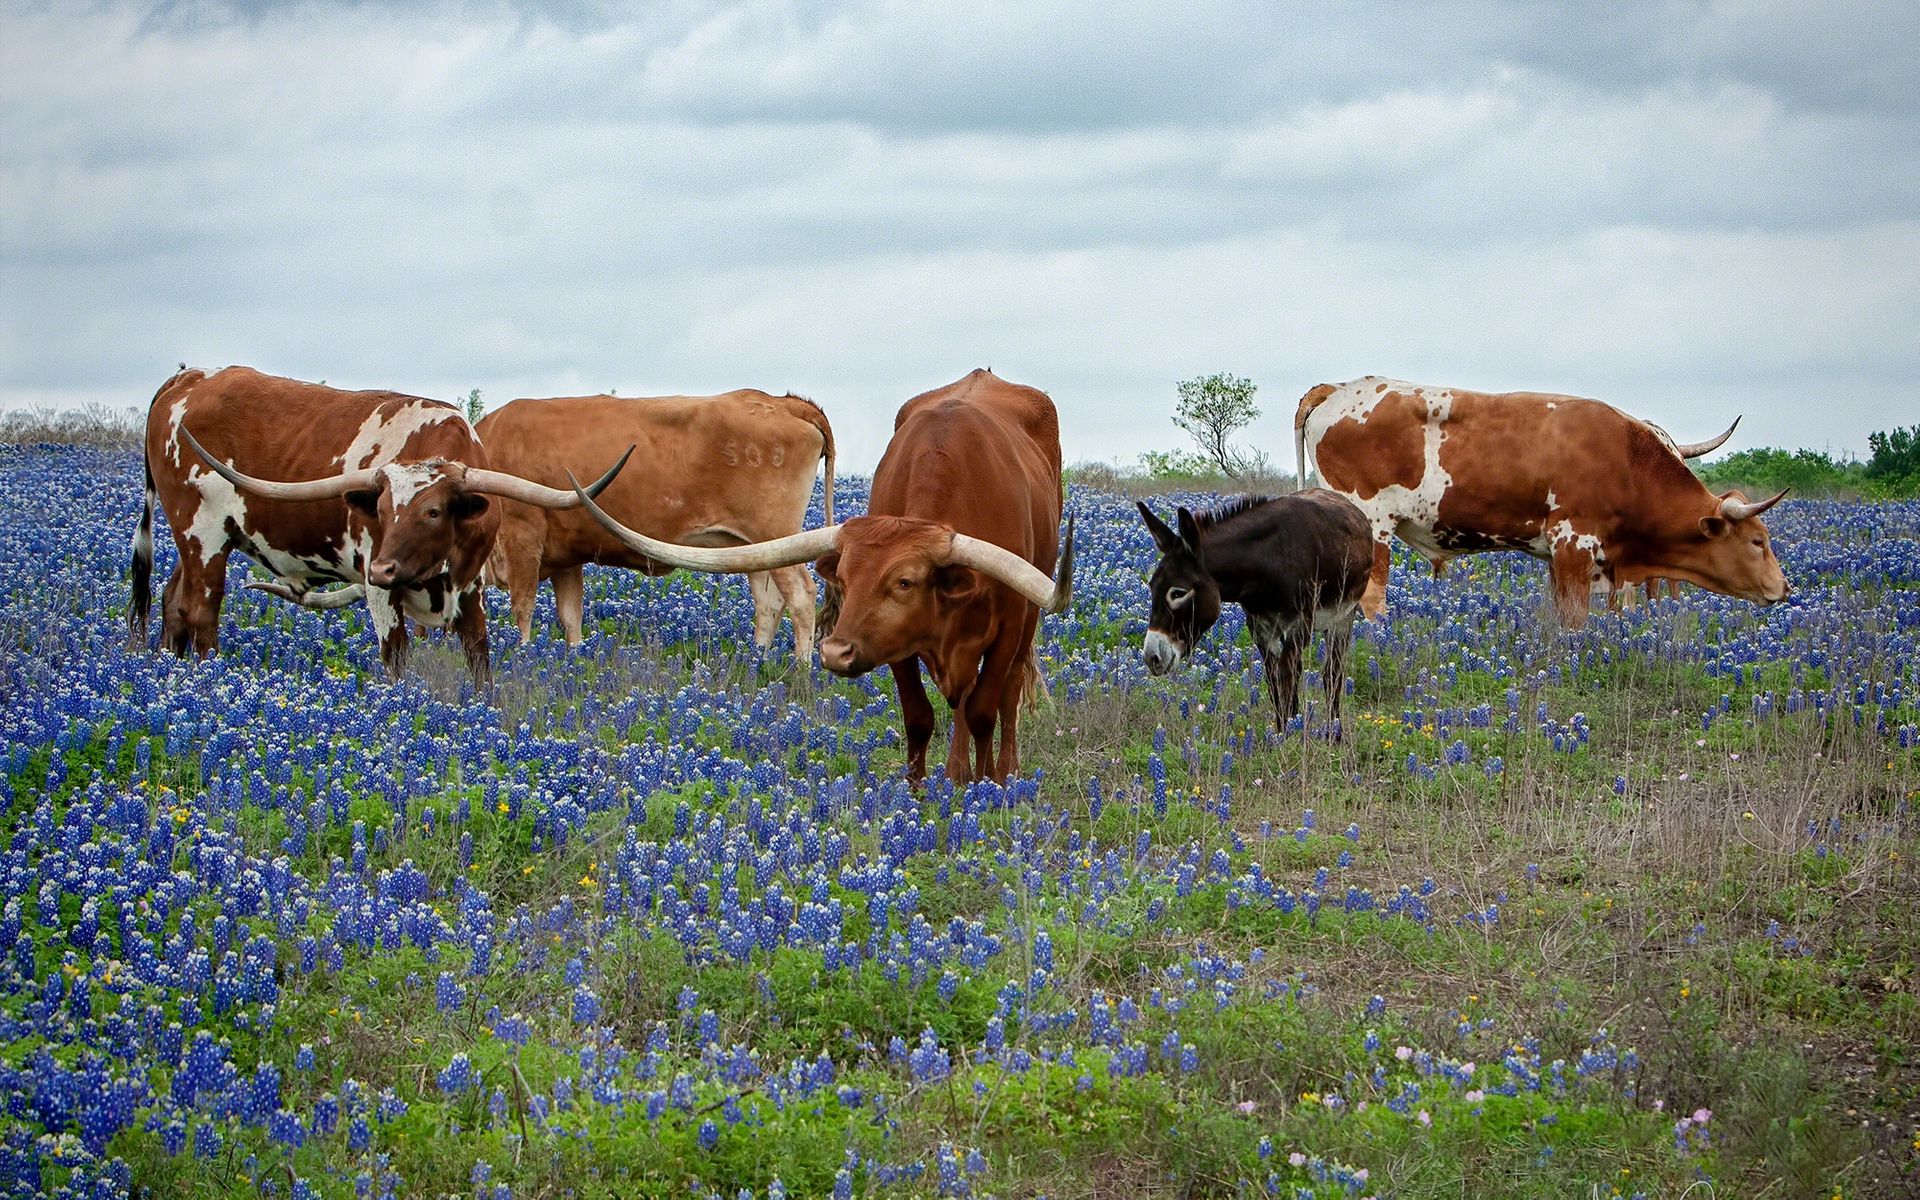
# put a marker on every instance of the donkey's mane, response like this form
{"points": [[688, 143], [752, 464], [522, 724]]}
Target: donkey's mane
{"points": [[1221, 513]]}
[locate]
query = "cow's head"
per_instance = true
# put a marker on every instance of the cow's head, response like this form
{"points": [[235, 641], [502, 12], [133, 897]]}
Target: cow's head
{"points": [[1729, 550], [906, 586], [901, 593], [421, 518], [1184, 597]]}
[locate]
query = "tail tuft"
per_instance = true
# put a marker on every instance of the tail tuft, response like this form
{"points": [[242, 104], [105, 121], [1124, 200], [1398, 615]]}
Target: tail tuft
{"points": [[1033, 684], [140, 603]]}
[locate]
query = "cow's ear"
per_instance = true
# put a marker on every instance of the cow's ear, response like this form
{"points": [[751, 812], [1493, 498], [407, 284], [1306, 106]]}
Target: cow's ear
{"points": [[1163, 537], [367, 500], [1714, 526], [827, 567], [468, 505], [953, 583], [1189, 528]]}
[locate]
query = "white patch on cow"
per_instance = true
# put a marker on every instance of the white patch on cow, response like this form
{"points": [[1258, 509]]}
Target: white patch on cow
{"points": [[1551, 406], [384, 435], [1562, 532], [175, 415], [357, 554], [1395, 508], [220, 503], [380, 607], [407, 480]]}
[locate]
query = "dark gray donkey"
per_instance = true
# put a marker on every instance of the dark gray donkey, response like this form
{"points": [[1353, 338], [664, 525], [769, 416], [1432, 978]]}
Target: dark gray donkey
{"points": [[1294, 563]]}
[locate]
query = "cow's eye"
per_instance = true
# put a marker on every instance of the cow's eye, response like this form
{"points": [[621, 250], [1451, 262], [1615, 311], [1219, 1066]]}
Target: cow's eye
{"points": [[1177, 596], [905, 583], [433, 514]]}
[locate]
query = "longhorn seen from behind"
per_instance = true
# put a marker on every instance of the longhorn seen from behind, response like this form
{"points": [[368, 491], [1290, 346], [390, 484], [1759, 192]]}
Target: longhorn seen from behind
{"points": [[1295, 564], [385, 493]]}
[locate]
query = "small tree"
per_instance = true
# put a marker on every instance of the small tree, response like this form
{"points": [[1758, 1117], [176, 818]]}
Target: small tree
{"points": [[473, 407], [1896, 454], [1212, 408]]}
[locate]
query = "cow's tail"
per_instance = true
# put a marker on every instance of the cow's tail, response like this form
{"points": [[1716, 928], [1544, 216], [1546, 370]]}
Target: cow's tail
{"points": [[140, 599], [1033, 682], [1309, 402], [815, 416]]}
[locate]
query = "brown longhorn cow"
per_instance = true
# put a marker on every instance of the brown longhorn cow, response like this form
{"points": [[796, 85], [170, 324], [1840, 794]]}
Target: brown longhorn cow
{"points": [[1607, 499], [950, 568], [388, 494], [720, 470]]}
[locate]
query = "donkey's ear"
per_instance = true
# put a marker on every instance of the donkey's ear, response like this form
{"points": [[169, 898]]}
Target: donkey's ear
{"points": [[1189, 529], [1163, 537]]}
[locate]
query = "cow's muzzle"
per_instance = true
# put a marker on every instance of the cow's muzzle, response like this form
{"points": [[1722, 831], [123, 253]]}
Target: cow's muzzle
{"points": [[1159, 653], [842, 658]]}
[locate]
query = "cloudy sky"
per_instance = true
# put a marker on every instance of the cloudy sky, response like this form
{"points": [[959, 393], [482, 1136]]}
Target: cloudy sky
{"points": [[1690, 210]]}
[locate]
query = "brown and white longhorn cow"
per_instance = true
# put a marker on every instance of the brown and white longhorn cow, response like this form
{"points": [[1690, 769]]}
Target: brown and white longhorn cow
{"points": [[1605, 498], [951, 567], [386, 493], [720, 470]]}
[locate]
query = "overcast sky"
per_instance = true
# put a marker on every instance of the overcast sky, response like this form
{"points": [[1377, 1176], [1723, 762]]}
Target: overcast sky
{"points": [[1689, 210]]}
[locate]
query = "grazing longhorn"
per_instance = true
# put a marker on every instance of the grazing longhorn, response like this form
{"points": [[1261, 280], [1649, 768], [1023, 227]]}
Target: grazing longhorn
{"points": [[950, 568], [721, 471], [1295, 564], [1605, 498], [386, 493]]}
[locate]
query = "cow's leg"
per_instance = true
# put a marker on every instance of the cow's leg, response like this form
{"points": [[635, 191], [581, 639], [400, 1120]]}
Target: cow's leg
{"points": [[1373, 601], [1023, 682], [521, 578], [766, 607], [569, 601], [916, 712], [796, 588], [1571, 576], [192, 601], [1003, 671], [174, 635], [960, 748], [471, 624], [1337, 643], [391, 628]]}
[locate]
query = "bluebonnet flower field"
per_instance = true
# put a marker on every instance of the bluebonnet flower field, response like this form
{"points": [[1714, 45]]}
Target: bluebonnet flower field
{"points": [[1612, 912]]}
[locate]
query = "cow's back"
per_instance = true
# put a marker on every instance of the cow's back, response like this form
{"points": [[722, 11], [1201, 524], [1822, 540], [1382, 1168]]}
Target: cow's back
{"points": [[284, 429], [279, 428], [982, 456], [739, 458], [1491, 463]]}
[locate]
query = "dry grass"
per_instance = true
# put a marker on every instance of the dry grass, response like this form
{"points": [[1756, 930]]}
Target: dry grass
{"points": [[90, 425]]}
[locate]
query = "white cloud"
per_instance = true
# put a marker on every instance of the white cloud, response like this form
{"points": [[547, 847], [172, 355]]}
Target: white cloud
{"points": [[864, 202]]}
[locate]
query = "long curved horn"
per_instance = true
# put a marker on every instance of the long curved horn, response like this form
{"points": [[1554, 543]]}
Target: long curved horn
{"points": [[312, 489], [335, 598], [1016, 572], [718, 560], [1696, 449], [499, 483], [1740, 510]]}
